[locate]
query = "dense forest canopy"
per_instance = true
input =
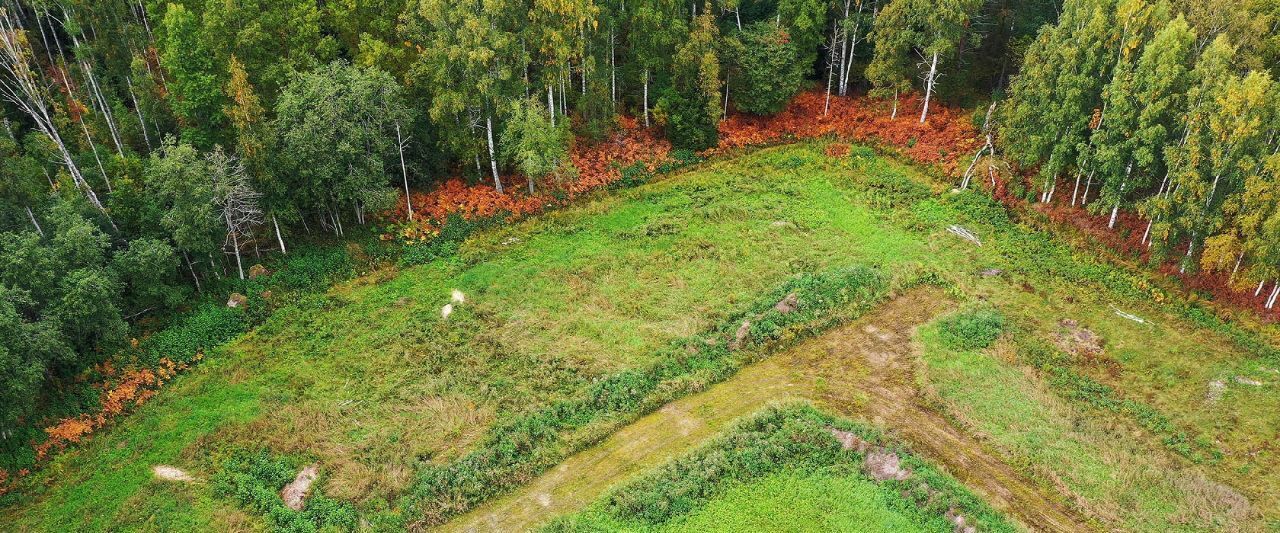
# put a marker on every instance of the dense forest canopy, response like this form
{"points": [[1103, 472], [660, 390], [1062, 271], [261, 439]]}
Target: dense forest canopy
{"points": [[148, 145]]}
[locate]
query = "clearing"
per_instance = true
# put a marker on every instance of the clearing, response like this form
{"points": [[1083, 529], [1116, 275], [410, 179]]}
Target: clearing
{"points": [[370, 383], [861, 370]]}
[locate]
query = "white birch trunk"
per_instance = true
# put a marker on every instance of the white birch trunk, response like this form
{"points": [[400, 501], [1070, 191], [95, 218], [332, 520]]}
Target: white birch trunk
{"points": [[726, 95], [192, 268], [551, 105], [404, 171], [142, 123], [1076, 190], [279, 236], [928, 91], [1213, 189], [844, 46], [646, 98], [235, 246], [831, 59], [94, 148], [493, 158], [32, 216], [1111, 224]]}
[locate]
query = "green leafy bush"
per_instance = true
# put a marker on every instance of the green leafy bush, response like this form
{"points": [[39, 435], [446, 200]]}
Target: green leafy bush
{"points": [[687, 122], [633, 175], [203, 329], [972, 329], [889, 187], [679, 158], [312, 268], [455, 230], [765, 74], [255, 479]]}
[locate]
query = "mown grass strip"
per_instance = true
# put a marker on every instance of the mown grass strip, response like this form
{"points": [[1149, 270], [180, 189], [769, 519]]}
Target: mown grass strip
{"points": [[795, 439], [1057, 368], [527, 445]]}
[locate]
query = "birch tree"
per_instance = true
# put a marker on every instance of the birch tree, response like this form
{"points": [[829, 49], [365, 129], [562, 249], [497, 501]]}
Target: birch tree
{"points": [[945, 23], [1140, 114], [556, 29], [933, 30], [1185, 159], [1056, 101], [1226, 143], [337, 138], [253, 137], [658, 28], [893, 35], [22, 86], [469, 54], [533, 145]]}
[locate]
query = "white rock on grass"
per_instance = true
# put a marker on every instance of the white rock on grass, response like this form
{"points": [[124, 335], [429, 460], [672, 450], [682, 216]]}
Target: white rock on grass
{"points": [[294, 493], [458, 297], [169, 473], [446, 310]]}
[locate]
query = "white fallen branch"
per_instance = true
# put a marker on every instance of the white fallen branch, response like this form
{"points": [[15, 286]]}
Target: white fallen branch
{"points": [[965, 234], [1129, 316]]}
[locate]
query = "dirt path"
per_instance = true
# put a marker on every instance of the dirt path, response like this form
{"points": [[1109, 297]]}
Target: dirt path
{"points": [[864, 370]]}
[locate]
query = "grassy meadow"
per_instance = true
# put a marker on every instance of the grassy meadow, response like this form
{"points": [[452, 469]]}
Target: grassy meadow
{"points": [[371, 383]]}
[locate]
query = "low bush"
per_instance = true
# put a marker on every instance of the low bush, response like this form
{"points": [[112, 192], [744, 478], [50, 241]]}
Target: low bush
{"points": [[678, 159], [203, 329], [972, 329], [453, 232], [633, 175], [255, 479]]}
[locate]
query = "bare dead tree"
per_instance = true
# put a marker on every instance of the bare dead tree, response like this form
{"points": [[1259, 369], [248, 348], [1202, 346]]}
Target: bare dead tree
{"points": [[235, 199], [988, 129]]}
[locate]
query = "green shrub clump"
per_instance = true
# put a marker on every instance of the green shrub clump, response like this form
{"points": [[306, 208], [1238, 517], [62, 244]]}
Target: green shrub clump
{"points": [[255, 479], [764, 72], [687, 121], [973, 329]]}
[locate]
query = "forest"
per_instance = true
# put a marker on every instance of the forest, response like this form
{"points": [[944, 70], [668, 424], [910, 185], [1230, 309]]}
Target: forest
{"points": [[155, 150]]}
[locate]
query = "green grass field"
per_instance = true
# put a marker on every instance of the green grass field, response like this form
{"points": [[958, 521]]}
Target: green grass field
{"points": [[371, 383]]}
